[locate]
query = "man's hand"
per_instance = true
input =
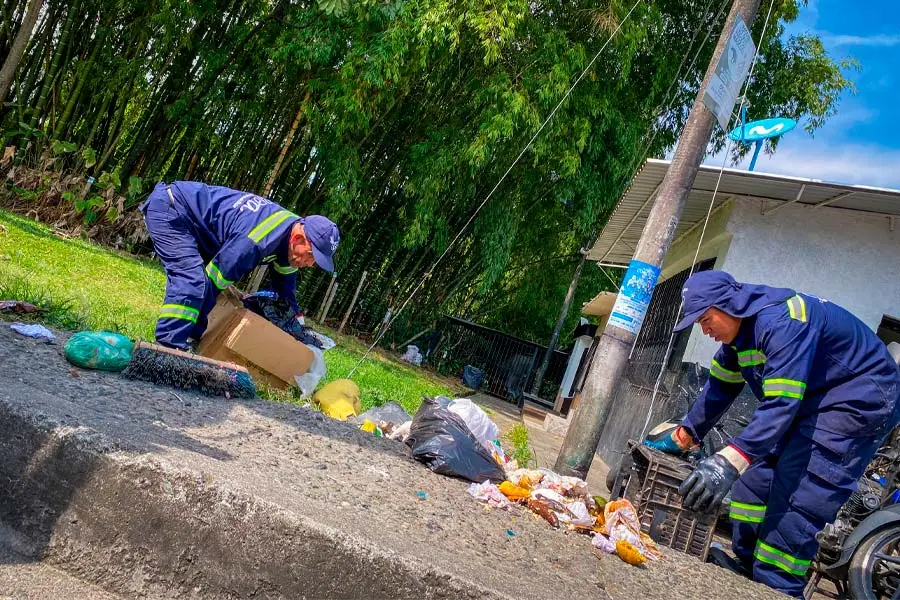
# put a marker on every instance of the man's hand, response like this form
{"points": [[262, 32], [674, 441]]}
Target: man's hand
{"points": [[676, 442], [707, 486]]}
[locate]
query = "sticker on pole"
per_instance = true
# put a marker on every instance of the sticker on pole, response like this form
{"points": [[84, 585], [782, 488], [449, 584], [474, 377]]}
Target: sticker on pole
{"points": [[634, 296], [725, 84]]}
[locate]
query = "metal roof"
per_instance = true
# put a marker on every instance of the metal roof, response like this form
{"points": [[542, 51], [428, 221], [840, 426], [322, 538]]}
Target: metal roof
{"points": [[620, 235]]}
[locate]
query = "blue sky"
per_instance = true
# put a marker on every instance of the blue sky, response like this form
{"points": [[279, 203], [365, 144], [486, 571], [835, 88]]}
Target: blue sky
{"points": [[860, 144]]}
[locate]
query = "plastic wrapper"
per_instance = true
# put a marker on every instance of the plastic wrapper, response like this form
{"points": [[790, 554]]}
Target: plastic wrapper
{"points": [[440, 439], [622, 524], [490, 494], [316, 372], [32, 330], [101, 350], [338, 399], [390, 412], [603, 543], [477, 421], [412, 355]]}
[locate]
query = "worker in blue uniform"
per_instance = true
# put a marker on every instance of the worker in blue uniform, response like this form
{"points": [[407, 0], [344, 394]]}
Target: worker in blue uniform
{"points": [[828, 391], [208, 237]]}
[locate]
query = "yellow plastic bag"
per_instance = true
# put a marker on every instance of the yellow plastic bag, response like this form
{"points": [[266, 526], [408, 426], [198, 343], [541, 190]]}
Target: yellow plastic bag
{"points": [[338, 399]]}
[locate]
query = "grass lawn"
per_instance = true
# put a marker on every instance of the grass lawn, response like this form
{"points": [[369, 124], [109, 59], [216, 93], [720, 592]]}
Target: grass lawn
{"points": [[85, 286]]}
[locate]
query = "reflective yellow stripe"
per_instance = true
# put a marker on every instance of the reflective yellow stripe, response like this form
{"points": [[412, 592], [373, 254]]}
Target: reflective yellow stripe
{"points": [[723, 374], [751, 513], [179, 311], [269, 258], [751, 358], [797, 308], [284, 270], [216, 276], [784, 561], [789, 388], [270, 223]]}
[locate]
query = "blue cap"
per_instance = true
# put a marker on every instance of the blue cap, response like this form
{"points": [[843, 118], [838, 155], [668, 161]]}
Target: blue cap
{"points": [[706, 289], [702, 291], [324, 236]]}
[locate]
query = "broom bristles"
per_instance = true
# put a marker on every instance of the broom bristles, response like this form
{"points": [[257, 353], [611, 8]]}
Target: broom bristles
{"points": [[183, 371]]}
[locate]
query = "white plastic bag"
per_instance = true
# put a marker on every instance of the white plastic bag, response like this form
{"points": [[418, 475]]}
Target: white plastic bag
{"points": [[317, 370], [412, 355], [477, 421]]}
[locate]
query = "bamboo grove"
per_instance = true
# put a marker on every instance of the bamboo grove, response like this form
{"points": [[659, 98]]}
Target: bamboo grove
{"points": [[394, 118]]}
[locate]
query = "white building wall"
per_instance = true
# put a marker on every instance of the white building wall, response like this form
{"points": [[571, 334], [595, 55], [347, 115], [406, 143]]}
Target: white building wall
{"points": [[846, 257]]}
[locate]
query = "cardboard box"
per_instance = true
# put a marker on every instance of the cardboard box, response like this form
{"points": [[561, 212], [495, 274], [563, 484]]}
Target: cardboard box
{"points": [[229, 300], [243, 337]]}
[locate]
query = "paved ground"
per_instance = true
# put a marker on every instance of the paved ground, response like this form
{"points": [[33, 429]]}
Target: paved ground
{"points": [[23, 579], [149, 491]]}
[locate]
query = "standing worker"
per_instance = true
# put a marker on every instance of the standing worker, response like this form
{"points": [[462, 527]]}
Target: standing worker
{"points": [[208, 237], [828, 391]]}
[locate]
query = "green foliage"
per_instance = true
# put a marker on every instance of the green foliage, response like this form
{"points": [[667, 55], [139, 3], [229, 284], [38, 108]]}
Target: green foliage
{"points": [[517, 437], [61, 147], [90, 157], [61, 276], [407, 114]]}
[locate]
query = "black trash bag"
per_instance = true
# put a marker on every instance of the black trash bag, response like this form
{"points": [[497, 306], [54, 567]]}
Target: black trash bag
{"points": [[441, 440], [472, 377], [269, 306]]}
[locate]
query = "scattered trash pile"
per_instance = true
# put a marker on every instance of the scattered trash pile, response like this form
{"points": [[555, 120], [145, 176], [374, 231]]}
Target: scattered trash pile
{"points": [[564, 502], [457, 438]]}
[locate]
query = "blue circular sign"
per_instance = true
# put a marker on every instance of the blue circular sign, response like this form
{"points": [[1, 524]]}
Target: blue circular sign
{"points": [[760, 130]]}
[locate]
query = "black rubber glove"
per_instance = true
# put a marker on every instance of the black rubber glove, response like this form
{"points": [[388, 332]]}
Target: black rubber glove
{"points": [[707, 486]]}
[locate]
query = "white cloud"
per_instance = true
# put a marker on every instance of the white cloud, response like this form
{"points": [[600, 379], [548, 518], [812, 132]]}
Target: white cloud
{"points": [[880, 41], [861, 164]]}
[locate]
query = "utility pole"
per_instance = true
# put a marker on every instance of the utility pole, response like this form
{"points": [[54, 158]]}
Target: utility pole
{"points": [[608, 367], [539, 377]]}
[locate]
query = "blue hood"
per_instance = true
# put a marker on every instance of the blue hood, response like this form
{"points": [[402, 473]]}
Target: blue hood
{"points": [[717, 288]]}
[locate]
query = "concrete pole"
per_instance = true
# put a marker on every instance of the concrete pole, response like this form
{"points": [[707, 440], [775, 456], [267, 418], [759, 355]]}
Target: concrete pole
{"points": [[326, 297], [608, 367], [346, 318], [328, 304]]}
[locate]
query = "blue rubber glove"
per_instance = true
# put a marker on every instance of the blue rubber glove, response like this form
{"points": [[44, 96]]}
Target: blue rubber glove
{"points": [[707, 486], [676, 442], [666, 444]]}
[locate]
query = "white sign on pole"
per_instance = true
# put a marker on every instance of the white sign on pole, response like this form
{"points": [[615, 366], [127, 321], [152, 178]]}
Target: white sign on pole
{"points": [[725, 84]]}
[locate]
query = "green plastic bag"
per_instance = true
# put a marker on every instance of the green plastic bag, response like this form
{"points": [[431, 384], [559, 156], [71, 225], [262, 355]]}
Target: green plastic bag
{"points": [[102, 350]]}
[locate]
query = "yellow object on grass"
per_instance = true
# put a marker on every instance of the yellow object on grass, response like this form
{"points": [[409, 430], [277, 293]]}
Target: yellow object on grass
{"points": [[338, 399]]}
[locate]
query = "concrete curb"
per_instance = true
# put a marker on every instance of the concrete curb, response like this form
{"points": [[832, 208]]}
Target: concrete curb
{"points": [[137, 527]]}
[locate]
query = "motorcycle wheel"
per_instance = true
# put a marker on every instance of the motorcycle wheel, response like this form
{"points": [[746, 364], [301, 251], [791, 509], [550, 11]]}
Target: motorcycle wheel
{"points": [[875, 566]]}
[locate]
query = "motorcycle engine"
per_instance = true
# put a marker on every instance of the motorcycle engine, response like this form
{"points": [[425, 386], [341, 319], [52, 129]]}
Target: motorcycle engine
{"points": [[863, 502]]}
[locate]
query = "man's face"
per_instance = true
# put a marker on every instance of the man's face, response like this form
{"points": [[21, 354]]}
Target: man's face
{"points": [[300, 253], [719, 325]]}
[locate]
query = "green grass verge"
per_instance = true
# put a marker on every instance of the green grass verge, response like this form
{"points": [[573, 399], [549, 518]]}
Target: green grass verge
{"points": [[85, 286]]}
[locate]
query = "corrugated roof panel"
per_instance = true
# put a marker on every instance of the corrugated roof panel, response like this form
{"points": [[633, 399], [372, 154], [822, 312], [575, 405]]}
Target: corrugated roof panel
{"points": [[626, 228]]}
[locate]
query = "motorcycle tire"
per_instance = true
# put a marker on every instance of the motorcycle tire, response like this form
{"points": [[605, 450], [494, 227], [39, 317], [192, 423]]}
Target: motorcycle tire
{"points": [[862, 564]]}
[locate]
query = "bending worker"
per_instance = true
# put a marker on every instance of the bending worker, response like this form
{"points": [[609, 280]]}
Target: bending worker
{"points": [[828, 391], [208, 237]]}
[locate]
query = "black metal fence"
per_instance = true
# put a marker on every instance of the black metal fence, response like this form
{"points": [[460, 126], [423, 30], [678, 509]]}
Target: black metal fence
{"points": [[509, 363]]}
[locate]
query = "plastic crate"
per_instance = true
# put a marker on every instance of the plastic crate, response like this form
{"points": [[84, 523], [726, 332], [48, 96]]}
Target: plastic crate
{"points": [[653, 489]]}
